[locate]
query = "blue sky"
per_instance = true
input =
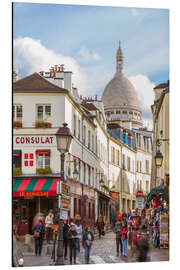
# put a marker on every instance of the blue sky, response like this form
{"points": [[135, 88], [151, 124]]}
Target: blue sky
{"points": [[87, 38]]}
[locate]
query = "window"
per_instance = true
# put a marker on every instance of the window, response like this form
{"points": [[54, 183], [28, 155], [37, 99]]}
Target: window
{"points": [[16, 159], [118, 112], [89, 176], [17, 112], [131, 113], [43, 112], [89, 138], [124, 162], [89, 210], [75, 206], [137, 169], [141, 185], [122, 183], [124, 137], [147, 186], [84, 173], [84, 135], [140, 166], [93, 143], [43, 159], [79, 129], [124, 112], [147, 166], [74, 125], [112, 154], [129, 163], [118, 163]]}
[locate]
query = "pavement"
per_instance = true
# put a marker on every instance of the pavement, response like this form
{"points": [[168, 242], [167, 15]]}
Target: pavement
{"points": [[103, 251]]}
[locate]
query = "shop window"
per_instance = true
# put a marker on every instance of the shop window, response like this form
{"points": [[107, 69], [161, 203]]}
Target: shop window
{"points": [[16, 159], [80, 206], [17, 113], [43, 112], [43, 159], [123, 162]]}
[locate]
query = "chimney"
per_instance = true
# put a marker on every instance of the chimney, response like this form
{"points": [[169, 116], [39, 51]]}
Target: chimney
{"points": [[59, 68], [96, 97], [62, 67], [56, 66]]}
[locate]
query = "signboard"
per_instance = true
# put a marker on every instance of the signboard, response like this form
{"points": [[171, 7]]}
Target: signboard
{"points": [[140, 202], [65, 202], [63, 214], [139, 193], [65, 189], [34, 193], [34, 141]]}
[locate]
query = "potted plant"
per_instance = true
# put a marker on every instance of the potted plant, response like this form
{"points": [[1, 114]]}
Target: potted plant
{"points": [[17, 172], [42, 124], [43, 171], [17, 124]]}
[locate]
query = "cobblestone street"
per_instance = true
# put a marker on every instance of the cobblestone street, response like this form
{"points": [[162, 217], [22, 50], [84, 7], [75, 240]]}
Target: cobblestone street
{"points": [[103, 251]]}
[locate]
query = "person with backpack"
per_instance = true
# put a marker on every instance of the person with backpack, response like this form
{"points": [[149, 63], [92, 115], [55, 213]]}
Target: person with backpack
{"points": [[123, 233], [72, 239], [117, 230], [87, 241], [39, 231]]}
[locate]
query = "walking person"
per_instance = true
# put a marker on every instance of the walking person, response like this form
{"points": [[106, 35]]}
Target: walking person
{"points": [[117, 230], [38, 237], [66, 228], [100, 226], [49, 223], [142, 246], [87, 241], [124, 232], [72, 239], [78, 228]]}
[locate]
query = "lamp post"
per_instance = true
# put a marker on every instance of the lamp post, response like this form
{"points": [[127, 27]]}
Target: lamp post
{"points": [[63, 141]]}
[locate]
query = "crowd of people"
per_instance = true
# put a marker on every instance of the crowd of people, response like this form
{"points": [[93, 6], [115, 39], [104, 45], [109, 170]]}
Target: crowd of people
{"points": [[131, 230]]}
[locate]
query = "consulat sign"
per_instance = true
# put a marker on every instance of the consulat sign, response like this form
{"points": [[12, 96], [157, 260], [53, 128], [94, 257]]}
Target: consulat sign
{"points": [[34, 140]]}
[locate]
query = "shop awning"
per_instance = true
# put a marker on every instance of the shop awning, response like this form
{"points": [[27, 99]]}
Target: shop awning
{"points": [[159, 190], [23, 187]]}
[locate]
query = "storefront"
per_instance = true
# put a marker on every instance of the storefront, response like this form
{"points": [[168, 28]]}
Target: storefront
{"points": [[104, 207], [31, 196]]}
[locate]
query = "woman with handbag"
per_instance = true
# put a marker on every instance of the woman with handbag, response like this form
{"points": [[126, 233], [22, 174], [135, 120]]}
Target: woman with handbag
{"points": [[38, 237], [124, 232], [87, 240]]}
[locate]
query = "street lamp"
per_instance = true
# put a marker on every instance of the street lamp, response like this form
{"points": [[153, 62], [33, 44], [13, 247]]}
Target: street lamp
{"points": [[158, 158], [63, 141], [75, 174]]}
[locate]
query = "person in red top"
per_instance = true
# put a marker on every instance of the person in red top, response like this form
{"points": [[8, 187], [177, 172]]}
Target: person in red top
{"points": [[124, 232]]}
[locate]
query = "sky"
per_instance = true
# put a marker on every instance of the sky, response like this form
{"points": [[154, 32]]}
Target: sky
{"points": [[86, 38]]}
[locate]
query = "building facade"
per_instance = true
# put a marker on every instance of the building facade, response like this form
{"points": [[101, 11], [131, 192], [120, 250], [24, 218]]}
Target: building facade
{"points": [[113, 157]]}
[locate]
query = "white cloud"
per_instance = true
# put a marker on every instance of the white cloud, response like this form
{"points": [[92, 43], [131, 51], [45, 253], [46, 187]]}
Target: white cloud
{"points": [[31, 56], [144, 88], [87, 55]]}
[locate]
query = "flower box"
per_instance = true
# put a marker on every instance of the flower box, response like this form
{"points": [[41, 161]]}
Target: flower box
{"points": [[42, 124], [43, 171], [17, 172], [17, 124]]}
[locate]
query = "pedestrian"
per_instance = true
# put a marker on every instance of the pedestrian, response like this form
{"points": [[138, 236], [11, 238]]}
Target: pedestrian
{"points": [[78, 228], [142, 246], [71, 221], [144, 222], [66, 228], [72, 239], [100, 226], [113, 218], [129, 213], [39, 231], [87, 241], [117, 230], [49, 223], [124, 216], [124, 232]]}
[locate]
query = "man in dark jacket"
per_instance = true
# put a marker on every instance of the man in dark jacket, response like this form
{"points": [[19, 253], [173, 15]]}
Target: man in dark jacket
{"points": [[65, 237], [142, 246], [72, 237], [117, 230]]}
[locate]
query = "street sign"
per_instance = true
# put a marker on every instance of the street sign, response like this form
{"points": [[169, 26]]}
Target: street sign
{"points": [[65, 202], [64, 214], [140, 202], [65, 189], [139, 193]]}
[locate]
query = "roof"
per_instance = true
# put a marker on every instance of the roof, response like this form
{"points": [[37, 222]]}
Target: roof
{"points": [[89, 106], [36, 82], [162, 85]]}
